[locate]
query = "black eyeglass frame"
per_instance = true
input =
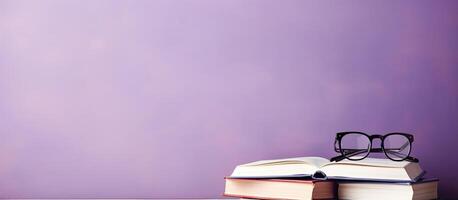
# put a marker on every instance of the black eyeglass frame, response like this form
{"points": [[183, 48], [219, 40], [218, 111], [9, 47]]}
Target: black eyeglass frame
{"points": [[340, 135]]}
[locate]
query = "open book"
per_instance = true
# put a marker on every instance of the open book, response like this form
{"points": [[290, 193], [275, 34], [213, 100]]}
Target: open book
{"points": [[372, 169]]}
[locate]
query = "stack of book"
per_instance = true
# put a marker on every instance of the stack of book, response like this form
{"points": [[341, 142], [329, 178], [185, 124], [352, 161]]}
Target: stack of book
{"points": [[318, 178]]}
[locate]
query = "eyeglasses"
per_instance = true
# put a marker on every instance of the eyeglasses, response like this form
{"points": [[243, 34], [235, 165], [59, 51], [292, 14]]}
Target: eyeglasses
{"points": [[358, 145]]}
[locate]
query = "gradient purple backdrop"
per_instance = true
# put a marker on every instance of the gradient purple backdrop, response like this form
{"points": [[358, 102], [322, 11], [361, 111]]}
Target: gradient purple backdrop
{"points": [[163, 98]]}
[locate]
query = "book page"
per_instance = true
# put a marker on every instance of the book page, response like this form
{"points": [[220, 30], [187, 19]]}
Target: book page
{"points": [[374, 162], [312, 161]]}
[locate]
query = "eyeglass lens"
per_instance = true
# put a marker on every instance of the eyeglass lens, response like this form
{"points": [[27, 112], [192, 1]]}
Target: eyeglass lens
{"points": [[397, 146], [355, 146]]}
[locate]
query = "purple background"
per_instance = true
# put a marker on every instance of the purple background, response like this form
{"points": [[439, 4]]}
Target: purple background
{"points": [[163, 98]]}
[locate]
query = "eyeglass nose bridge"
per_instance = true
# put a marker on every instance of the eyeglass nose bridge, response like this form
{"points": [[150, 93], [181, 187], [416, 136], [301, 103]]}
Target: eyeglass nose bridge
{"points": [[372, 137]]}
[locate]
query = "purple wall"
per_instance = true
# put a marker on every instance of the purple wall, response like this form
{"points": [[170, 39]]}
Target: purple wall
{"points": [[164, 98]]}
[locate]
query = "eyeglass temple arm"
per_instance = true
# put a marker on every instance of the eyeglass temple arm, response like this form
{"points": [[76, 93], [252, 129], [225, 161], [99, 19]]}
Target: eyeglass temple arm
{"points": [[400, 148], [408, 158], [336, 148], [353, 152], [341, 157], [337, 158], [412, 159], [392, 151]]}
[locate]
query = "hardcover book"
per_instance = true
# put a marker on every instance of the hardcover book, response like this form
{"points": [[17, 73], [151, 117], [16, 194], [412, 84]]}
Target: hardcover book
{"points": [[279, 189], [423, 189]]}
